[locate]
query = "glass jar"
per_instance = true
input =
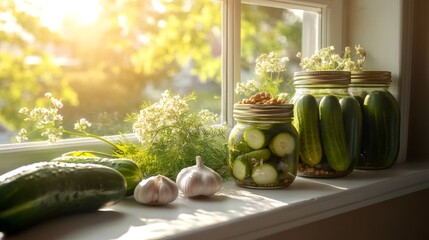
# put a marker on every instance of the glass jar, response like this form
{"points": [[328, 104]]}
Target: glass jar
{"points": [[263, 146], [380, 119], [328, 120]]}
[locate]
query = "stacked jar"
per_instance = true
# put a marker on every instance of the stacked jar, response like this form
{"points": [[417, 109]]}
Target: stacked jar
{"points": [[263, 146], [329, 122], [380, 119]]}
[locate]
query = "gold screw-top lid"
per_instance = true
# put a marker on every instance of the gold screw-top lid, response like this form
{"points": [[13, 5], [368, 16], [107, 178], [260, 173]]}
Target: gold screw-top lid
{"points": [[371, 77], [263, 111], [321, 78]]}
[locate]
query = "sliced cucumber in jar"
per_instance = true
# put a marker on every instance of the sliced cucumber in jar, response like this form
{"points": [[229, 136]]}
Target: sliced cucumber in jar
{"points": [[282, 144], [255, 138], [263, 154], [236, 142], [241, 168], [264, 174], [242, 147]]}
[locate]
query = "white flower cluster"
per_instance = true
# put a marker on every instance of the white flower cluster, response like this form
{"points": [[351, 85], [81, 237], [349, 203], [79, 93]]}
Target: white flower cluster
{"points": [[22, 135], [269, 68], [166, 117], [160, 115], [270, 63], [82, 125], [326, 59], [48, 121], [247, 88], [207, 117]]}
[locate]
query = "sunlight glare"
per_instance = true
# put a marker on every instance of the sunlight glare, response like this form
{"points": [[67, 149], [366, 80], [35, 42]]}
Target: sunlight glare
{"points": [[159, 6], [297, 12], [53, 12]]}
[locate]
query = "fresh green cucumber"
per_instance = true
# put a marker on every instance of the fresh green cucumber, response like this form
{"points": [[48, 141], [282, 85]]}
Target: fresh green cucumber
{"points": [[128, 168], [333, 135], [352, 118], [241, 167], [264, 174], [306, 121], [282, 144], [40, 191], [360, 100], [81, 153], [381, 117], [255, 138]]}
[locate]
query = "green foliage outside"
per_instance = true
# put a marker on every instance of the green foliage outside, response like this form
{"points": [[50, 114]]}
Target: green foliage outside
{"points": [[23, 84], [118, 61]]}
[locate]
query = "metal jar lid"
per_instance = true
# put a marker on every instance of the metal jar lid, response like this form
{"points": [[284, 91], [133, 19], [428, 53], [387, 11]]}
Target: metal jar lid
{"points": [[305, 78], [371, 77], [264, 112]]}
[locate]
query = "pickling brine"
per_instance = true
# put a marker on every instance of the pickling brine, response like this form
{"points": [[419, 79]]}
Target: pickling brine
{"points": [[263, 146], [381, 119], [329, 122]]}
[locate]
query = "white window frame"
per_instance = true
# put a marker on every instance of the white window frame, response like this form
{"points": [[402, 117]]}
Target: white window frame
{"points": [[402, 180], [332, 33], [15, 155]]}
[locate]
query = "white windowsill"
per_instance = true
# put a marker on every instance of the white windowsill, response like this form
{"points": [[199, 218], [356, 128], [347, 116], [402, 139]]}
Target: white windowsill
{"points": [[239, 213]]}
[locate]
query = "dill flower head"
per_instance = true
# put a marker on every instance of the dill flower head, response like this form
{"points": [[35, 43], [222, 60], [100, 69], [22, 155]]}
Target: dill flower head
{"points": [[326, 59], [269, 69], [47, 120]]}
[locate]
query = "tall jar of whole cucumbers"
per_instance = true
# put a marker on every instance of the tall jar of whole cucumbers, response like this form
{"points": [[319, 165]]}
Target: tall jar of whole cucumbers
{"points": [[329, 121], [380, 119], [263, 146]]}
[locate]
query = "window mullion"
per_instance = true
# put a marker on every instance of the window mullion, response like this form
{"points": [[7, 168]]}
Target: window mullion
{"points": [[231, 63]]}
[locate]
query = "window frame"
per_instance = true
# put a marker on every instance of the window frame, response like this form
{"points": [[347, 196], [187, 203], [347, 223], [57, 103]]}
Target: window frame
{"points": [[331, 33], [315, 208], [16, 155]]}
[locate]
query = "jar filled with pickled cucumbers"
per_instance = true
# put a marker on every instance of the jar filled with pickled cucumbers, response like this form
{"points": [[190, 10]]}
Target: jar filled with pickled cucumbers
{"points": [[329, 122], [263, 146], [380, 119]]}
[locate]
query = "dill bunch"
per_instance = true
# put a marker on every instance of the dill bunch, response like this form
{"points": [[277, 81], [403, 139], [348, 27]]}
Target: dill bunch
{"points": [[171, 136]]}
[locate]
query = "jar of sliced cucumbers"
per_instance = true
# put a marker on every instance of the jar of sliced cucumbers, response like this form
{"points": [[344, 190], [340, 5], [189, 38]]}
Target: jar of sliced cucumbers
{"points": [[263, 146], [329, 123]]}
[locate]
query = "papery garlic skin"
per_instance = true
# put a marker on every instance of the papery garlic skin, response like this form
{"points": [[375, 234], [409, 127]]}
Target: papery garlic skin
{"points": [[156, 190], [198, 180]]}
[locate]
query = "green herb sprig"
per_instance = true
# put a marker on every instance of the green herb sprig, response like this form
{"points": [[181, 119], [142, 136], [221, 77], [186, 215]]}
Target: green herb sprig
{"points": [[170, 137]]}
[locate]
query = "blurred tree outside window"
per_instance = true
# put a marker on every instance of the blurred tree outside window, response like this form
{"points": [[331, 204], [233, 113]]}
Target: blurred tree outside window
{"points": [[266, 29], [104, 58]]}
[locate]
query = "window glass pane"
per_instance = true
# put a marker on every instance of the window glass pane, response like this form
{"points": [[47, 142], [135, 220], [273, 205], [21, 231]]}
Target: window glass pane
{"points": [[282, 31], [104, 58]]}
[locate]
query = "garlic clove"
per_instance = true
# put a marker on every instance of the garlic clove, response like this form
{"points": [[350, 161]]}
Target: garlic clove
{"points": [[198, 180], [156, 190]]}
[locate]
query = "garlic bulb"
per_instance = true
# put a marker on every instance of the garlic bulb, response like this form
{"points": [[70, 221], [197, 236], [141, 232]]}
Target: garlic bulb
{"points": [[198, 180], [156, 190]]}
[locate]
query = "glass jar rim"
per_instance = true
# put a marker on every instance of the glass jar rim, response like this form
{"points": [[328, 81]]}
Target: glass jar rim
{"points": [[306, 78], [371, 77], [263, 112]]}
